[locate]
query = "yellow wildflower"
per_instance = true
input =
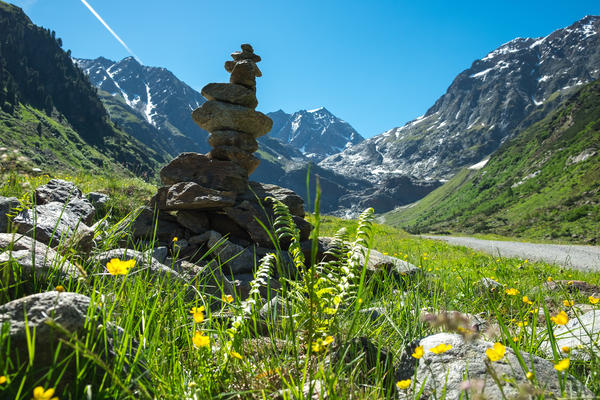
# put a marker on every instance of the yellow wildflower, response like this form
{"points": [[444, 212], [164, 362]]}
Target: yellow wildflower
{"points": [[175, 239], [118, 267], [198, 314], [565, 349], [512, 292], [529, 375], [593, 300], [2, 380], [405, 384], [568, 303], [515, 339], [40, 394], [521, 324], [440, 348], [200, 339], [419, 352], [497, 352], [235, 354], [527, 301], [560, 319], [562, 364], [549, 279], [60, 288], [227, 298]]}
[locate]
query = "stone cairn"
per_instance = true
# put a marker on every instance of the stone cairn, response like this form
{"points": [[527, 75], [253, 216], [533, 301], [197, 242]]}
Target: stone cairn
{"points": [[209, 195]]}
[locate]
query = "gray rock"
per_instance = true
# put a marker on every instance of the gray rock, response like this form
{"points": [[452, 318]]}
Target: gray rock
{"points": [[70, 310], [488, 286], [259, 191], [216, 115], [240, 140], [230, 93], [53, 223], [99, 201], [213, 236], [7, 204], [36, 260], [83, 208], [237, 155], [143, 223], [57, 190], [195, 221], [239, 259], [192, 196], [160, 253], [581, 334], [205, 171], [244, 214], [243, 285], [207, 278], [446, 371], [244, 72]]}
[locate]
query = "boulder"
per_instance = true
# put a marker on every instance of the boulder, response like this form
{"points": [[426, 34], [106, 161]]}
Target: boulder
{"points": [[192, 196], [216, 115], [53, 223], [580, 334], [230, 93], [36, 260], [244, 72], [57, 190], [83, 208], [208, 172], [241, 140], [7, 204], [467, 361], [72, 312]]}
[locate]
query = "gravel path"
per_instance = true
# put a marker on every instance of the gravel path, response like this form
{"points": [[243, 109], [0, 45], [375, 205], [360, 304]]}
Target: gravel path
{"points": [[585, 258]]}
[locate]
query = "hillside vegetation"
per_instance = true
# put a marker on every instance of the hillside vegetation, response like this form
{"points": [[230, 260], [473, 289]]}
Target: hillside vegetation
{"points": [[49, 107], [543, 184]]}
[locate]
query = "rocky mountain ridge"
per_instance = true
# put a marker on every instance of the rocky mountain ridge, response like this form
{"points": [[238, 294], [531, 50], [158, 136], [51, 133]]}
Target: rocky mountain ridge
{"points": [[316, 133], [483, 107]]}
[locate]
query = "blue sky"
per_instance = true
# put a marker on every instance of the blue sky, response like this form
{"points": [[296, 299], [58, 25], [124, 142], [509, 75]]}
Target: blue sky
{"points": [[375, 64]]}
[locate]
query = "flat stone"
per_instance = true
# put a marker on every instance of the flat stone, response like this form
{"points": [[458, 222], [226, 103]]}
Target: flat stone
{"points": [[245, 55], [259, 191], [7, 204], [36, 260], [225, 225], [242, 158], [208, 172], [54, 223], [196, 221], [244, 73], [230, 93], [445, 372], [244, 214], [239, 259], [192, 196], [241, 140], [216, 115], [144, 223]]}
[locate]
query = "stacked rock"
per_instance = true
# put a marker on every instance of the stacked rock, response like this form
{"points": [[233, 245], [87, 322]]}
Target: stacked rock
{"points": [[229, 114], [206, 194]]}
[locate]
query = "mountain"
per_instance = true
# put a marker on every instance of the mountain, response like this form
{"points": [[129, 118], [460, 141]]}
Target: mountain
{"points": [[316, 133], [484, 106], [156, 96], [49, 111], [544, 183]]}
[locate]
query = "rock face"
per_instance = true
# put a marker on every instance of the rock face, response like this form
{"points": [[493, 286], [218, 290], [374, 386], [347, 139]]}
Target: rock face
{"points": [[207, 196], [6, 205], [446, 372]]}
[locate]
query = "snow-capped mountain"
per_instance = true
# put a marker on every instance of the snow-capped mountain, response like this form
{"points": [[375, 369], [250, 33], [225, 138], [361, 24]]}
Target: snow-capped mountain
{"points": [[510, 88], [316, 133], [156, 95]]}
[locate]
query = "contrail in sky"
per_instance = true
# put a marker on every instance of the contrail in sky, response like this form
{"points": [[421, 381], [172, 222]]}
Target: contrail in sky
{"points": [[110, 30]]}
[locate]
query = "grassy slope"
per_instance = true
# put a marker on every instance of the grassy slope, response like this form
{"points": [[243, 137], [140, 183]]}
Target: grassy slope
{"points": [[560, 201]]}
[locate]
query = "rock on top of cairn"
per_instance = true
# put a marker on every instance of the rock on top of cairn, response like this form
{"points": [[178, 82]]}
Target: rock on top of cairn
{"points": [[229, 114]]}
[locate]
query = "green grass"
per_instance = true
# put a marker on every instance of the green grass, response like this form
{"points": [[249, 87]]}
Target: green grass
{"points": [[156, 313], [530, 188]]}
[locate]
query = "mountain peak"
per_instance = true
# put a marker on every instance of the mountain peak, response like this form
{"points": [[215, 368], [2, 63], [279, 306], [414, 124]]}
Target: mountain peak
{"points": [[318, 109]]}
